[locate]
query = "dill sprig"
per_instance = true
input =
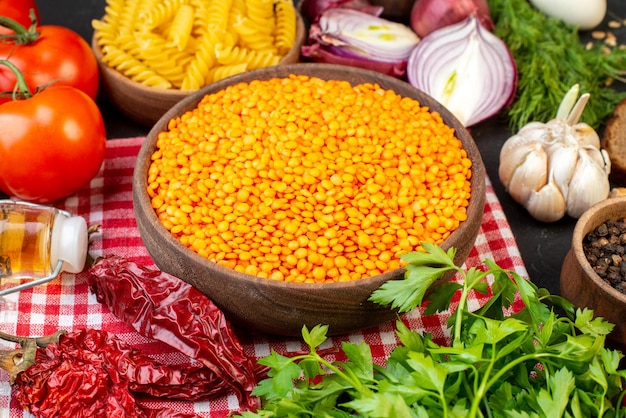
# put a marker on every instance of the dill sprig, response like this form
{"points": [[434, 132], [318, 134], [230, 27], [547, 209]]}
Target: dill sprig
{"points": [[551, 58]]}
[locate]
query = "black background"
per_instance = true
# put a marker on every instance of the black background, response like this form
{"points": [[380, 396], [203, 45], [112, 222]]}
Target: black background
{"points": [[543, 246]]}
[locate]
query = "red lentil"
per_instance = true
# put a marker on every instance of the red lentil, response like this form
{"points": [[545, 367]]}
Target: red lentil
{"points": [[305, 180]]}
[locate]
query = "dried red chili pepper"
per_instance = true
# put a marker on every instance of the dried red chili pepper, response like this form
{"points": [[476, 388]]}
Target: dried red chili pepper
{"points": [[165, 308], [88, 373]]}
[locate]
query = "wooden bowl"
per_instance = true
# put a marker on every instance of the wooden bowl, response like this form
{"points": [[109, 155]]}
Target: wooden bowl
{"points": [[581, 285], [146, 105], [278, 307]]}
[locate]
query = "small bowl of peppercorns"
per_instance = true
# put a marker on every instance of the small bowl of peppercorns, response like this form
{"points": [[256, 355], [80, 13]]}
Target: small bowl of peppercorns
{"points": [[594, 271]]}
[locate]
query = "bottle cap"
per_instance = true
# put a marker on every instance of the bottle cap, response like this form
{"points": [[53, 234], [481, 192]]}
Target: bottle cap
{"points": [[69, 242]]}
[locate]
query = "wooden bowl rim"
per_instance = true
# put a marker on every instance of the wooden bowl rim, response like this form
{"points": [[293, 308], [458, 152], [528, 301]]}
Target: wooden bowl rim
{"points": [[475, 208], [582, 228], [126, 82]]}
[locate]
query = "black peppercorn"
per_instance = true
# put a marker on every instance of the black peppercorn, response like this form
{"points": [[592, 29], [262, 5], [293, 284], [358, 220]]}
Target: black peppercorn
{"points": [[605, 250]]}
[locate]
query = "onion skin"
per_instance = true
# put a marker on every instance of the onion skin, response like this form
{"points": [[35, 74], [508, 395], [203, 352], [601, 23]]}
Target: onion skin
{"points": [[430, 15]]}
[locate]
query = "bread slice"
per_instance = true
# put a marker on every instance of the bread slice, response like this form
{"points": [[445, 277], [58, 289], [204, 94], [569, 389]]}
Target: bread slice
{"points": [[614, 142]]}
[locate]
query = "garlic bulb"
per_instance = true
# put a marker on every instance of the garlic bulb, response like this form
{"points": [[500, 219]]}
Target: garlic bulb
{"points": [[556, 168]]}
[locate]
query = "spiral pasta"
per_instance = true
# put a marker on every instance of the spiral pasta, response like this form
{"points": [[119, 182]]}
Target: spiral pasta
{"points": [[218, 12], [164, 11], [104, 32], [285, 27], [165, 61], [113, 11], [220, 72], [251, 38], [261, 13], [179, 31], [186, 44], [199, 68], [254, 59], [133, 68]]}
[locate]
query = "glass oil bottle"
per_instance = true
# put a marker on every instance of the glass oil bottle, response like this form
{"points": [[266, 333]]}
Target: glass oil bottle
{"points": [[37, 242]]}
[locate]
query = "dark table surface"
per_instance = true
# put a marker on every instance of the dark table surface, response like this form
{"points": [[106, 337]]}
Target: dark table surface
{"points": [[543, 246]]}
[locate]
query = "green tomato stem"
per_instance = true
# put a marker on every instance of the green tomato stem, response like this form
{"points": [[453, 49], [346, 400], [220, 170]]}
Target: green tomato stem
{"points": [[21, 87], [22, 35]]}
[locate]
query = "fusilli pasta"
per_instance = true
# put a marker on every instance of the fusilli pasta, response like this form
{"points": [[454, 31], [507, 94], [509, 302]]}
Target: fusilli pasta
{"points": [[186, 44], [255, 59], [179, 31]]}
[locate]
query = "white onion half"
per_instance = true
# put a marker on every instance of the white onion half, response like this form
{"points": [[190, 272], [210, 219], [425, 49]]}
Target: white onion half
{"points": [[466, 68]]}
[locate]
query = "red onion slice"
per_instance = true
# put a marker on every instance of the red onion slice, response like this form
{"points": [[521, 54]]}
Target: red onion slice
{"points": [[466, 68]]}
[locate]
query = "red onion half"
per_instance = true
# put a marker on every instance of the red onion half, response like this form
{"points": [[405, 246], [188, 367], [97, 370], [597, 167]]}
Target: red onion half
{"points": [[430, 15], [466, 68], [367, 36], [351, 37]]}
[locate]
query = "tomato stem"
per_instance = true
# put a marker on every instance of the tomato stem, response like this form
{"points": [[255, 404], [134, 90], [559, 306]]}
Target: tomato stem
{"points": [[21, 90], [22, 35]]}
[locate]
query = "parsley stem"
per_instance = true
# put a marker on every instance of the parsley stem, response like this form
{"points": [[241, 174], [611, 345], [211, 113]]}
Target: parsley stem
{"points": [[511, 365], [484, 384], [461, 308], [351, 378]]}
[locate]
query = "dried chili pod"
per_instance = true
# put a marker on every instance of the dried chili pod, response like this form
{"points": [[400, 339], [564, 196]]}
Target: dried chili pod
{"points": [[86, 374], [165, 308]]}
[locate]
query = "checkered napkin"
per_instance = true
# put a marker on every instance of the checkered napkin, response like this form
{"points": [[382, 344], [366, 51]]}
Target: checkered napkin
{"points": [[66, 303]]}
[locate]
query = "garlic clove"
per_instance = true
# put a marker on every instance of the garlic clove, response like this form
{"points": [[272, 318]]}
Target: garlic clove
{"points": [[529, 175], [515, 149], [547, 204], [512, 156], [562, 162], [598, 157], [586, 135], [588, 186]]}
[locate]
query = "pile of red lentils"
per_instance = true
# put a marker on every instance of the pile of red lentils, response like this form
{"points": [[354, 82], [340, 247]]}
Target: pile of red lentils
{"points": [[305, 180]]}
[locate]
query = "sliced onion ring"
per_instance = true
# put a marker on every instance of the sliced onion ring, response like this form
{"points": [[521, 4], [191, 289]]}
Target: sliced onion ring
{"points": [[466, 68]]}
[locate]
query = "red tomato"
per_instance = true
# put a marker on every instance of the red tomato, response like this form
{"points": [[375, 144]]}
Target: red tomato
{"points": [[51, 145], [18, 10], [59, 56]]}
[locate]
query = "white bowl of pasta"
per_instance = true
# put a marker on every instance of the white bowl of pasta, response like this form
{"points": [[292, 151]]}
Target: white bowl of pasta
{"points": [[150, 61]]}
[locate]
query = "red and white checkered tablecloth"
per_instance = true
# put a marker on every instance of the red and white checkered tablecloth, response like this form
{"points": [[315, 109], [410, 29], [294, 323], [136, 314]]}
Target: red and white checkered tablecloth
{"points": [[66, 303]]}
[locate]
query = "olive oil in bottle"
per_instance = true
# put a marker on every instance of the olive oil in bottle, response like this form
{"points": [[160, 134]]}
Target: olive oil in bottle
{"points": [[38, 242]]}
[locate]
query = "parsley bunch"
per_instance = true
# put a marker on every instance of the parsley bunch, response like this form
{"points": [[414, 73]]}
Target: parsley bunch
{"points": [[534, 362]]}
